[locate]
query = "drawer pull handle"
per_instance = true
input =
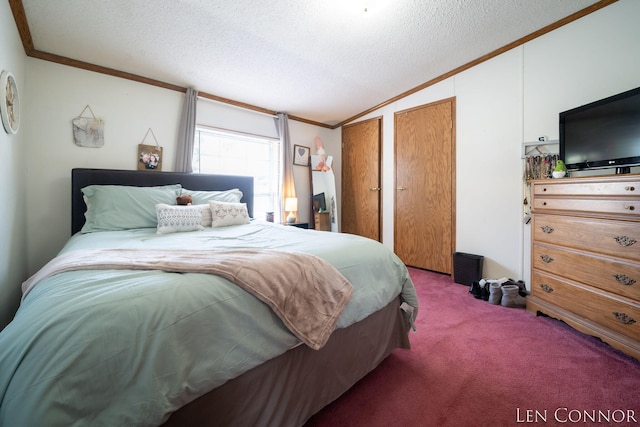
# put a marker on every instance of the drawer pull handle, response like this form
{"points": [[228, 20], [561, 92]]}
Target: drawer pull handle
{"points": [[623, 318], [625, 240], [546, 288], [630, 208], [544, 203], [630, 188], [546, 259], [547, 229], [623, 279]]}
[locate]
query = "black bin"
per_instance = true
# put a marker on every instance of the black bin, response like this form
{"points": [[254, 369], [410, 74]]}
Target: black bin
{"points": [[467, 268]]}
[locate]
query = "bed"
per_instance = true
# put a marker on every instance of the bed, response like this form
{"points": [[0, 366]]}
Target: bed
{"points": [[146, 325]]}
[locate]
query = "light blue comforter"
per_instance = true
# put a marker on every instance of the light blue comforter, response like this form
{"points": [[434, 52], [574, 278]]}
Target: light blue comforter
{"points": [[124, 347]]}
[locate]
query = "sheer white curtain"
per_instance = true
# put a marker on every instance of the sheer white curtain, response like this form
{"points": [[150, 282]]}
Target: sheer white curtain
{"points": [[288, 188], [186, 133]]}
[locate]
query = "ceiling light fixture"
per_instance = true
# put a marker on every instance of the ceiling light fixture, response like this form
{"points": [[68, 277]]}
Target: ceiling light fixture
{"points": [[360, 7], [373, 6]]}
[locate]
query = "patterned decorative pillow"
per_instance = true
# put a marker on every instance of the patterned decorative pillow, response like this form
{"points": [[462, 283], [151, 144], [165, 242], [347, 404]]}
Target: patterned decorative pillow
{"points": [[173, 218], [224, 214]]}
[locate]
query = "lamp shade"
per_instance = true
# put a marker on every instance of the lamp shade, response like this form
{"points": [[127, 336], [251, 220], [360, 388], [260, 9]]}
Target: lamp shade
{"points": [[291, 204]]}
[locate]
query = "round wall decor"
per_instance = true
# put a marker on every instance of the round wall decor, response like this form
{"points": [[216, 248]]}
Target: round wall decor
{"points": [[9, 102]]}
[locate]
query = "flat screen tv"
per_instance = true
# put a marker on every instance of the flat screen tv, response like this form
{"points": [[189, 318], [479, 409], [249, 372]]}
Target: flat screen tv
{"points": [[319, 203], [602, 134]]}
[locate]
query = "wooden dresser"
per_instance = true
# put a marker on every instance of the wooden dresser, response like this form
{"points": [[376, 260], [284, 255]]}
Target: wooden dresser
{"points": [[585, 256], [323, 221]]}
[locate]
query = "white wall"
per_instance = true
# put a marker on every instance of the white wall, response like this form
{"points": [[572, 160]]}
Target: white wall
{"points": [[13, 264], [59, 93], [508, 100], [489, 172], [219, 115], [587, 60]]}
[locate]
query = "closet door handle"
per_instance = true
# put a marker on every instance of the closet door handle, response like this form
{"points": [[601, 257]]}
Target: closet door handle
{"points": [[400, 188], [375, 189]]}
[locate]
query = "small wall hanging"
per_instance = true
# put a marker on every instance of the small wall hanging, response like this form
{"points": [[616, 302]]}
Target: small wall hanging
{"points": [[88, 131], [149, 156], [9, 102]]}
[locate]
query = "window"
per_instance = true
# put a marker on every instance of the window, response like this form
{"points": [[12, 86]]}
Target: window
{"points": [[228, 153]]}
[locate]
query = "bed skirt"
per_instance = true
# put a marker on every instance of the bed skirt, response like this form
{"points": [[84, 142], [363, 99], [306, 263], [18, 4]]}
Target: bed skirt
{"points": [[289, 389]]}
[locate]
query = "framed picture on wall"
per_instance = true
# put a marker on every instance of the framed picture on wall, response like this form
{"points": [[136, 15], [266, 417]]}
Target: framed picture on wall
{"points": [[149, 157], [301, 155]]}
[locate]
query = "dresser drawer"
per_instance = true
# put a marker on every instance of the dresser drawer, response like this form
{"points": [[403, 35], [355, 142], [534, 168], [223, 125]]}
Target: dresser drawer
{"points": [[618, 314], [608, 237], [618, 277], [621, 206], [584, 187]]}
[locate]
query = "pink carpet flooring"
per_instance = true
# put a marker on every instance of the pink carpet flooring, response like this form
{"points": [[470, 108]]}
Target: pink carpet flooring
{"points": [[477, 364]]}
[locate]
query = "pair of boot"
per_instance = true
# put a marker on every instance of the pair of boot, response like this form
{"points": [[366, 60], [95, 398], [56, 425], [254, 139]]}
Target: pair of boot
{"points": [[506, 294], [494, 292], [481, 289], [478, 291]]}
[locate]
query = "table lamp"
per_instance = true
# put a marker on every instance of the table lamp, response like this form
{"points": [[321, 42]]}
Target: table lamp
{"points": [[291, 206]]}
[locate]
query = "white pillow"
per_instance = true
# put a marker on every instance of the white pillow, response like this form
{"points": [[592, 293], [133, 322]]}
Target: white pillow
{"points": [[173, 218], [206, 214], [223, 214], [199, 197]]}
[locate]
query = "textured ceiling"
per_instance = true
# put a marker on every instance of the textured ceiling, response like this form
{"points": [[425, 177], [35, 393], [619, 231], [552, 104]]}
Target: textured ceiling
{"points": [[322, 60]]}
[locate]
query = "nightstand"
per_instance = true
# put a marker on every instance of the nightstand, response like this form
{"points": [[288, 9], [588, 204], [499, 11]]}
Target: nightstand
{"points": [[298, 224]]}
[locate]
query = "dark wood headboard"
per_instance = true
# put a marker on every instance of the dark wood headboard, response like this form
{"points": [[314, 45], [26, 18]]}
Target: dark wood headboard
{"points": [[80, 178]]}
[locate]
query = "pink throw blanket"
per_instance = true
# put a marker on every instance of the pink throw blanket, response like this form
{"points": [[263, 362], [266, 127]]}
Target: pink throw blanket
{"points": [[305, 291]]}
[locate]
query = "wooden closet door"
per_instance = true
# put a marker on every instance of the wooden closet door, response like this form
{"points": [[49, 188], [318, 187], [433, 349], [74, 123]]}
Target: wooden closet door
{"points": [[361, 178], [424, 225]]}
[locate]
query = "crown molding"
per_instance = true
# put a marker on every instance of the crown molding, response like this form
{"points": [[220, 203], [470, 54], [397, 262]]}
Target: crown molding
{"points": [[20, 18]]}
